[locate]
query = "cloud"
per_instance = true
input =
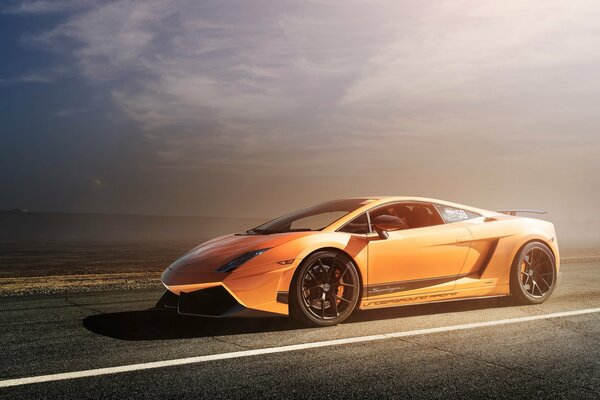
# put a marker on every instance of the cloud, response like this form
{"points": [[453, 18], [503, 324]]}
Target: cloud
{"points": [[217, 80], [67, 112], [47, 75], [45, 6], [467, 53], [34, 77], [212, 69], [110, 38]]}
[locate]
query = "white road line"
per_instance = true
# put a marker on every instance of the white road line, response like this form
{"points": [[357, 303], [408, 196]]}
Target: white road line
{"points": [[281, 349]]}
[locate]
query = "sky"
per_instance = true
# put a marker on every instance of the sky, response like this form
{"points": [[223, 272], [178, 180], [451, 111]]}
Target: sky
{"points": [[255, 108]]}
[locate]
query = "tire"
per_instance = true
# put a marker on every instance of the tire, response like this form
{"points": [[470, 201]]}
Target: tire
{"points": [[325, 289], [533, 274]]}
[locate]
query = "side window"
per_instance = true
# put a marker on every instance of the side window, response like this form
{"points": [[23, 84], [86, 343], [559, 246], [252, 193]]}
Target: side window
{"points": [[359, 225], [452, 214], [413, 215]]}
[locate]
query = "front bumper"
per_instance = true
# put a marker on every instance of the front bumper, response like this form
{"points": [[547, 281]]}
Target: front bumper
{"points": [[214, 302], [247, 292]]}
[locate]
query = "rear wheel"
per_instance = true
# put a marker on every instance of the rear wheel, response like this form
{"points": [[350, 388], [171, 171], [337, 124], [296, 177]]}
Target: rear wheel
{"points": [[325, 289], [533, 274]]}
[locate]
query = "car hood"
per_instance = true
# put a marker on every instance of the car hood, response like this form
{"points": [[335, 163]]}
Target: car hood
{"points": [[215, 253]]}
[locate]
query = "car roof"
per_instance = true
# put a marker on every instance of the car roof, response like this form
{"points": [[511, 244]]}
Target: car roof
{"points": [[376, 200]]}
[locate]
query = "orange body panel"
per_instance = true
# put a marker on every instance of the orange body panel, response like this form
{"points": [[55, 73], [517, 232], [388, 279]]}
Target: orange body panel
{"points": [[470, 258]]}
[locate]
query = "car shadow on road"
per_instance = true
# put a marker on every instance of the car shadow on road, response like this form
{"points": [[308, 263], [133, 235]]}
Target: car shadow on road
{"points": [[164, 324]]}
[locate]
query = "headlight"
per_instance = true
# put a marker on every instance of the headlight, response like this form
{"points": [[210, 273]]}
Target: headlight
{"points": [[233, 264]]}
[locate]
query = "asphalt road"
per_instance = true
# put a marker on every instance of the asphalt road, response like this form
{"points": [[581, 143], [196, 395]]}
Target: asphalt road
{"points": [[548, 358]]}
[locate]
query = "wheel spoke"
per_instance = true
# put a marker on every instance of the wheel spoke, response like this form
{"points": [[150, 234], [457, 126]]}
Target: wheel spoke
{"points": [[532, 259], [311, 297], [330, 272], [341, 298], [541, 264], [324, 274], [312, 287], [539, 256], [314, 277], [545, 281], [346, 284], [343, 273], [337, 314]]}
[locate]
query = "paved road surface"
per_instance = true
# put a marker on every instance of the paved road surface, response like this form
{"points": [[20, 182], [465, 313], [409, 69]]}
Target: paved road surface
{"points": [[548, 358]]}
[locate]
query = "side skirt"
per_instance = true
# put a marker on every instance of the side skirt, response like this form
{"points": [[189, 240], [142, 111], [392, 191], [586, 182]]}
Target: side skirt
{"points": [[406, 286], [466, 294]]}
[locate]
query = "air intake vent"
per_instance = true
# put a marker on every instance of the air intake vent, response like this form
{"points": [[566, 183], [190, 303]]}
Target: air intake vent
{"points": [[214, 302]]}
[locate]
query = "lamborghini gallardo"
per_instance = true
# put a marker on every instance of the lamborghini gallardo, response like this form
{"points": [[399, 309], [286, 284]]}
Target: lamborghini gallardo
{"points": [[321, 263]]}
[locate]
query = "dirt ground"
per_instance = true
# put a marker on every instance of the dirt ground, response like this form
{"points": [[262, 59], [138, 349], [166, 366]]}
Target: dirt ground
{"points": [[36, 268], [72, 258]]}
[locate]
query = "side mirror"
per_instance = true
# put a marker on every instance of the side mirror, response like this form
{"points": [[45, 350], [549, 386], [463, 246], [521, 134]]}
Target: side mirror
{"points": [[387, 223]]}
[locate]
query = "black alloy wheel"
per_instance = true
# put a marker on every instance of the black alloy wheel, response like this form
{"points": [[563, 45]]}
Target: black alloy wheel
{"points": [[533, 274], [325, 289]]}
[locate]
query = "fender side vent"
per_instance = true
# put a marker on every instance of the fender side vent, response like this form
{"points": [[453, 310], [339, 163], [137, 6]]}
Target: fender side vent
{"points": [[283, 297]]}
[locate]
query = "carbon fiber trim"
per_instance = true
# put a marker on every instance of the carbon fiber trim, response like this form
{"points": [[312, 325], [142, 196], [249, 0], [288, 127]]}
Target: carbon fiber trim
{"points": [[168, 300]]}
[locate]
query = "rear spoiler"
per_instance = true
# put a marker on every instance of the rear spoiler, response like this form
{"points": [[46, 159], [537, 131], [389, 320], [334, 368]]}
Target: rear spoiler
{"points": [[516, 211]]}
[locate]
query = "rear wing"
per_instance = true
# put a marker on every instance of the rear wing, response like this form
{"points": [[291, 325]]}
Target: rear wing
{"points": [[520, 211]]}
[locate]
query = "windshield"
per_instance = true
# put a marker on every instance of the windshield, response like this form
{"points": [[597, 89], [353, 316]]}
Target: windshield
{"points": [[310, 219]]}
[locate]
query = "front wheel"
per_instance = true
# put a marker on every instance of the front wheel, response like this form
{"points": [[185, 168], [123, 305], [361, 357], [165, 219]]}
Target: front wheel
{"points": [[533, 274], [325, 289]]}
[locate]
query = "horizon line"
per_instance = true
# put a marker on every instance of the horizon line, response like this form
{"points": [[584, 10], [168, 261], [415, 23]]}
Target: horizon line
{"points": [[27, 211]]}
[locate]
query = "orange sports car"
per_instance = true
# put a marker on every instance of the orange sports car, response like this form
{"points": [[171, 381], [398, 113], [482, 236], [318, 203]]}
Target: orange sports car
{"points": [[321, 263]]}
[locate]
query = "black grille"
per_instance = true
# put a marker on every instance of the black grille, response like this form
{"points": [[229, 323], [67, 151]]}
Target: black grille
{"points": [[214, 301]]}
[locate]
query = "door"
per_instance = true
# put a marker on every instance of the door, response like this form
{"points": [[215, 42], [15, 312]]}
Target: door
{"points": [[419, 259]]}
